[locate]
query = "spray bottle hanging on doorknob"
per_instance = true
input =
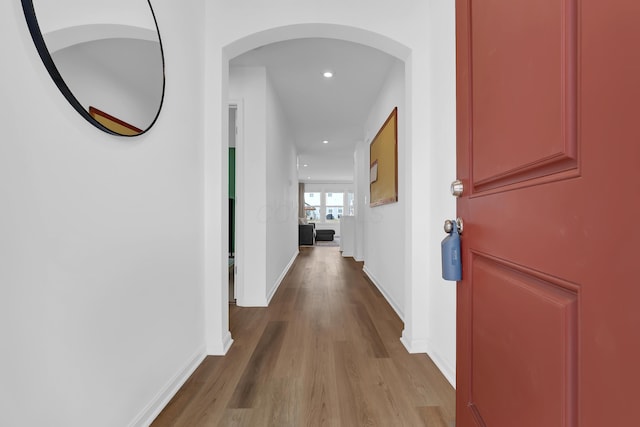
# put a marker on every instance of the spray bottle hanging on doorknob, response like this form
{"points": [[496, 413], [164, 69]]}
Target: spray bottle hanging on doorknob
{"points": [[451, 253]]}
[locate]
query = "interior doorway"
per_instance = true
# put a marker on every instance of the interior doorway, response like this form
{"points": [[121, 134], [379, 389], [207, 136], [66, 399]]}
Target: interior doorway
{"points": [[417, 53]]}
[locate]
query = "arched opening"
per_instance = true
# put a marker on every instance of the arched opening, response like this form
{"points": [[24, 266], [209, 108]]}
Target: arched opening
{"points": [[230, 51]]}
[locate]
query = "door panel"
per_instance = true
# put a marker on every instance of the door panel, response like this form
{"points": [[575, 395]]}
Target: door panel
{"points": [[524, 334], [548, 151], [514, 72]]}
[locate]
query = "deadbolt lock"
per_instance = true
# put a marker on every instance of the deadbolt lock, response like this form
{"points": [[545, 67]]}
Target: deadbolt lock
{"points": [[457, 188]]}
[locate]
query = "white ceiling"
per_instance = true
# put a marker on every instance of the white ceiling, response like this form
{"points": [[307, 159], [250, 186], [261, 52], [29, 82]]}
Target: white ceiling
{"points": [[323, 109]]}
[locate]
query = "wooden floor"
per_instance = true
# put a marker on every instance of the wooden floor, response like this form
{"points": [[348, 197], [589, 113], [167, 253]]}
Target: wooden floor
{"points": [[326, 352]]}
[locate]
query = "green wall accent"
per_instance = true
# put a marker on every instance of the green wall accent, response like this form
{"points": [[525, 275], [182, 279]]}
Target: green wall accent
{"points": [[232, 173], [232, 199]]}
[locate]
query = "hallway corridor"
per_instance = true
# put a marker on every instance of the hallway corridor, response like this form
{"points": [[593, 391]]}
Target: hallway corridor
{"points": [[326, 352]]}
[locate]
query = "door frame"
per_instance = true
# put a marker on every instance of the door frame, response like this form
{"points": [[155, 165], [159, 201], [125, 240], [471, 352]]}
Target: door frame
{"points": [[240, 243]]}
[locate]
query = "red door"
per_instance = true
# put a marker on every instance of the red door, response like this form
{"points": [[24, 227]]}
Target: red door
{"points": [[549, 154]]}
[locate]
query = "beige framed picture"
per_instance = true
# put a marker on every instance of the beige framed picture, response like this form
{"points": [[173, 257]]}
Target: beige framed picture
{"points": [[383, 167]]}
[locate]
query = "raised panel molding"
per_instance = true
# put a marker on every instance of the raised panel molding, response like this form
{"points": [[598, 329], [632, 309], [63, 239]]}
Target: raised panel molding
{"points": [[511, 147], [528, 323]]}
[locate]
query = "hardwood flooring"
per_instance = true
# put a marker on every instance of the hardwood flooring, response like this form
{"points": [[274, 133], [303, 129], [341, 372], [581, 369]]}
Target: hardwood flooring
{"points": [[326, 352]]}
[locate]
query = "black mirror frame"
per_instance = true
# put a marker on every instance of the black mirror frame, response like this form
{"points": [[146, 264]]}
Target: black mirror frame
{"points": [[43, 51]]}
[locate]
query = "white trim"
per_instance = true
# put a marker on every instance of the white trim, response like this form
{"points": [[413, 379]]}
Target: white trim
{"points": [[226, 344], [239, 261], [448, 371], [252, 302], [390, 300], [413, 346], [162, 398], [282, 276], [424, 346], [264, 302]]}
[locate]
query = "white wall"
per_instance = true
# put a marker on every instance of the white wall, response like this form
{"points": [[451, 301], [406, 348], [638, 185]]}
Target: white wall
{"points": [[105, 271], [266, 189], [361, 183], [384, 226], [419, 32], [336, 187], [248, 84], [382, 233], [441, 305], [101, 248], [282, 194]]}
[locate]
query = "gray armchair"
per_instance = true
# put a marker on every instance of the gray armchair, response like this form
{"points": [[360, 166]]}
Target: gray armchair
{"points": [[306, 234]]}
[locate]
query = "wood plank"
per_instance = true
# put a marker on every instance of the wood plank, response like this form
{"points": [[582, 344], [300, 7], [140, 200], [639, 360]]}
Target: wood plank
{"points": [[370, 332], [325, 353], [262, 360], [432, 416]]}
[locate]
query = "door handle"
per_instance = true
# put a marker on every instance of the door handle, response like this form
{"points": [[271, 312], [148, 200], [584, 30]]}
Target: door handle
{"points": [[448, 225]]}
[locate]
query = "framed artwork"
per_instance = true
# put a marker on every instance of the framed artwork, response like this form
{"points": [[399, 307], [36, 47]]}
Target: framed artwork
{"points": [[373, 172], [383, 167]]}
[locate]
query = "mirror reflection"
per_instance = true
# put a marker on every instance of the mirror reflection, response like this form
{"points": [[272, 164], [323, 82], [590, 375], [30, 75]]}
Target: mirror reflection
{"points": [[105, 57]]}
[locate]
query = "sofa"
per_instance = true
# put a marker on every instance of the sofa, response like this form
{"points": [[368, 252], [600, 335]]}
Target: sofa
{"points": [[325, 235], [306, 234]]}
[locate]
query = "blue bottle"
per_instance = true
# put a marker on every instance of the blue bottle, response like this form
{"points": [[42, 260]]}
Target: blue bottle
{"points": [[451, 255]]}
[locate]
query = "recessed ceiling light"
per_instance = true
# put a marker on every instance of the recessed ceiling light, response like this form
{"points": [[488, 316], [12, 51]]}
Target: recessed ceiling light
{"points": [[308, 177], [305, 165], [325, 142], [327, 74]]}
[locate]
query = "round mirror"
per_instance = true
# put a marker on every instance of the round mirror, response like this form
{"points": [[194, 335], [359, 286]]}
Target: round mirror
{"points": [[105, 57]]}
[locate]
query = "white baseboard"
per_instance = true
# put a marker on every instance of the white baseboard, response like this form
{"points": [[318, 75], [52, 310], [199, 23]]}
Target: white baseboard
{"points": [[390, 300], [282, 276], [347, 254], [423, 346], [448, 371], [226, 343], [157, 404], [414, 346], [220, 348], [264, 301]]}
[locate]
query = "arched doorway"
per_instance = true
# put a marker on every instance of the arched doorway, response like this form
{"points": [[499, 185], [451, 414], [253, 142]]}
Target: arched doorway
{"points": [[428, 164], [351, 34]]}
